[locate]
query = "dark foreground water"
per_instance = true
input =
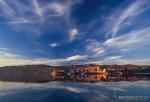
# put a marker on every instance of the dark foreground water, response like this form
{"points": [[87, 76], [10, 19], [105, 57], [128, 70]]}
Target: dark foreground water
{"points": [[123, 91]]}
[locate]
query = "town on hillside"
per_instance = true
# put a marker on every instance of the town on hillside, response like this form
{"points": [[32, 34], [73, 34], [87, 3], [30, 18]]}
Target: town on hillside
{"points": [[74, 73]]}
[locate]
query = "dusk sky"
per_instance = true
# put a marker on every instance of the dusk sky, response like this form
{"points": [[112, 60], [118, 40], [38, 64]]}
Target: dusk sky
{"points": [[62, 32]]}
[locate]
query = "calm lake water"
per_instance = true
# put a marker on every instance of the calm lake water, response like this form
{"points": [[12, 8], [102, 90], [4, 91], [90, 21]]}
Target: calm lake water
{"points": [[54, 91]]}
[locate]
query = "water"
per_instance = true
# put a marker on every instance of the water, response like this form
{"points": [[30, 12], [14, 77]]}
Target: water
{"points": [[55, 91]]}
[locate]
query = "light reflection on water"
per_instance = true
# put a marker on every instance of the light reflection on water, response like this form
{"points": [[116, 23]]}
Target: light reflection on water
{"points": [[72, 91]]}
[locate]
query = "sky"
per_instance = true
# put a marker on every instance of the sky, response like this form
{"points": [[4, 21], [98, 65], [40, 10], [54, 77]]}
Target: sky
{"points": [[62, 32]]}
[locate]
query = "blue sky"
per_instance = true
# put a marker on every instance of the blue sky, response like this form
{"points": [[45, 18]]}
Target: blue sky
{"points": [[58, 32]]}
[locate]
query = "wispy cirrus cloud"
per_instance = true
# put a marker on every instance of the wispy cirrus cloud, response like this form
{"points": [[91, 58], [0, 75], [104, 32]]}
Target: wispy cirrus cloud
{"points": [[133, 40], [20, 21], [76, 57], [8, 53], [5, 7], [122, 17], [58, 8], [38, 9], [17, 14], [5, 54], [113, 57], [95, 48], [132, 10]]}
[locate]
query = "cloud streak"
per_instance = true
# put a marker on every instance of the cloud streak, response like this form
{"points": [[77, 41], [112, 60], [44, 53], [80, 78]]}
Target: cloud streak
{"points": [[134, 39], [40, 14], [38, 10], [121, 17], [95, 48], [130, 11]]}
